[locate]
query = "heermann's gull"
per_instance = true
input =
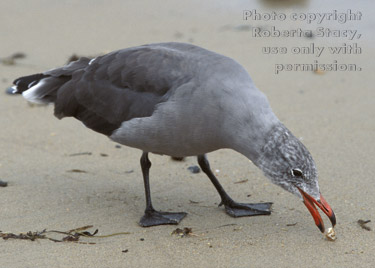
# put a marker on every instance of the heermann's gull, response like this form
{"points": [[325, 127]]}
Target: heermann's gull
{"points": [[181, 100]]}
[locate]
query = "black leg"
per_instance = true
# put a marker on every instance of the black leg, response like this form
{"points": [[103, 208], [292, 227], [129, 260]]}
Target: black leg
{"points": [[233, 208], [151, 216]]}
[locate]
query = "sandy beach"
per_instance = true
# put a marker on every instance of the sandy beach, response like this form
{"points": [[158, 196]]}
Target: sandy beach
{"points": [[62, 175]]}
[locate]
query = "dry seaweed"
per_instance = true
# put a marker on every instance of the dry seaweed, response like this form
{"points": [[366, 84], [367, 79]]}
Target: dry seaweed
{"points": [[69, 236], [363, 223], [24, 236]]}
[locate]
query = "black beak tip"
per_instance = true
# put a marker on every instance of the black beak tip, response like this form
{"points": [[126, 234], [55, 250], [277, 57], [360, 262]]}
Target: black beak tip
{"points": [[321, 227], [333, 219]]}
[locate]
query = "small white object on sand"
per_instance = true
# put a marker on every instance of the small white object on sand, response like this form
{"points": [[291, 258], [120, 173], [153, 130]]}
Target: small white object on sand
{"points": [[331, 235]]}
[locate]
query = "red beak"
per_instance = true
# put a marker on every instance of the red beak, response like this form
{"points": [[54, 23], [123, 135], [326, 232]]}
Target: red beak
{"points": [[309, 201]]}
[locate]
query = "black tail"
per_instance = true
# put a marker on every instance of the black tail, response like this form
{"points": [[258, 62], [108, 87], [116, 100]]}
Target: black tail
{"points": [[24, 83], [39, 88], [43, 87]]}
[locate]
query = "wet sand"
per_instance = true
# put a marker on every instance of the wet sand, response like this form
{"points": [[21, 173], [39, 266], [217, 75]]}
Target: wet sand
{"points": [[332, 112]]}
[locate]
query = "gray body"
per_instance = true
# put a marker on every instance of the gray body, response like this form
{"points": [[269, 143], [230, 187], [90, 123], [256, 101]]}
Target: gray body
{"points": [[180, 100], [208, 110]]}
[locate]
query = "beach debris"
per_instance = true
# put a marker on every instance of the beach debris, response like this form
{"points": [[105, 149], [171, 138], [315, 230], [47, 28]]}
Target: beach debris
{"points": [[183, 232], [3, 183], [363, 223], [82, 153], [194, 202], [125, 251], [72, 235], [117, 146], [331, 235], [77, 171], [11, 60], [194, 169], [292, 224], [129, 171], [103, 155], [241, 181]]}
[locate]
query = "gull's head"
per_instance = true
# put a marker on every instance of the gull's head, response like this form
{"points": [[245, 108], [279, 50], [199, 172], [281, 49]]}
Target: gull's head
{"points": [[288, 163]]}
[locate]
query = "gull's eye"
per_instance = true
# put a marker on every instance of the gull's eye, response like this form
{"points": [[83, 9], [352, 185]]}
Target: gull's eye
{"points": [[296, 172]]}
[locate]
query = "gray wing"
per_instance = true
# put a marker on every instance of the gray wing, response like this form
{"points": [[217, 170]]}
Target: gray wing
{"points": [[124, 84]]}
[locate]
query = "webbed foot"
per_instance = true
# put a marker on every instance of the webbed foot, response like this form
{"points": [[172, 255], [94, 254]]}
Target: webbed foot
{"points": [[235, 209], [153, 218]]}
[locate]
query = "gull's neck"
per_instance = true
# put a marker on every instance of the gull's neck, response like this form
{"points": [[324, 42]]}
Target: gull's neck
{"points": [[262, 140]]}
